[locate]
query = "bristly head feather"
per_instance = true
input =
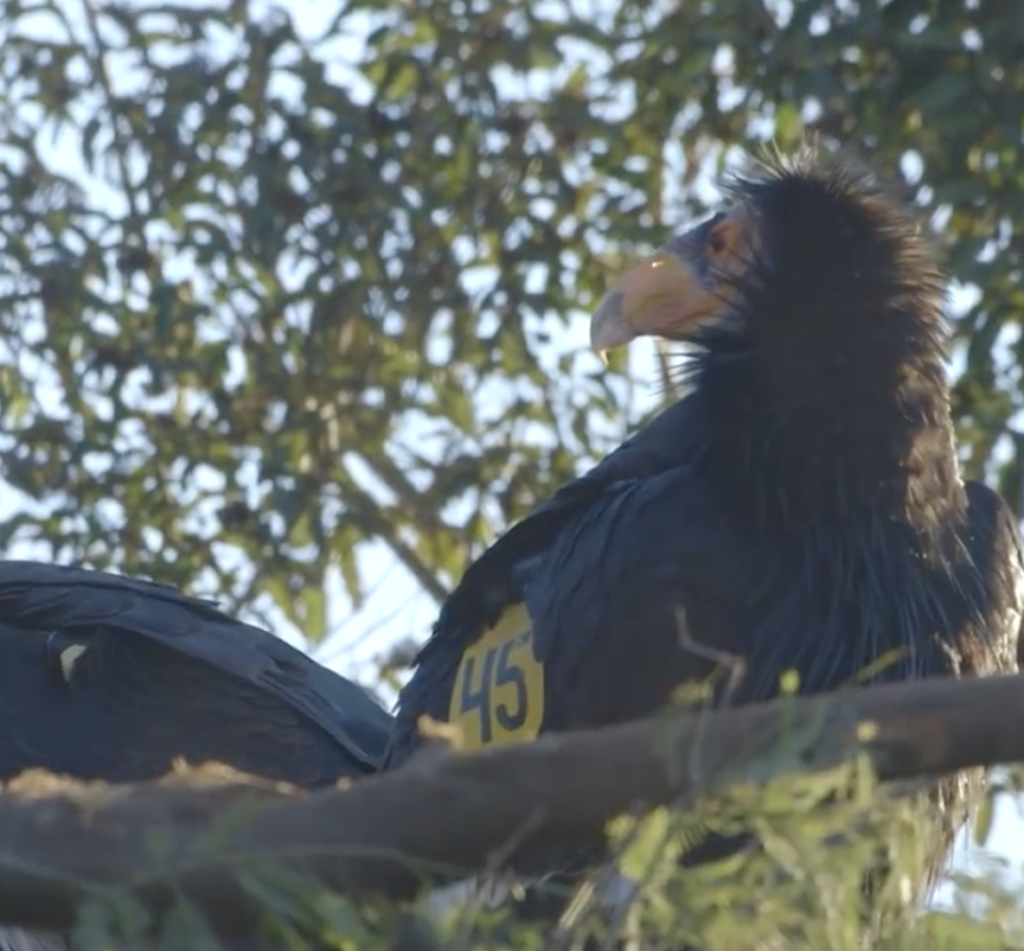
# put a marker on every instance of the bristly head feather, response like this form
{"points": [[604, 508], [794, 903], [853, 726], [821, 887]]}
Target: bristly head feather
{"points": [[824, 369]]}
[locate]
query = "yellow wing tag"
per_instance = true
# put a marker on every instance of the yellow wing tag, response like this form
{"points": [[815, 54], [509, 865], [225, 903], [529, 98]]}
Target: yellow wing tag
{"points": [[498, 695]]}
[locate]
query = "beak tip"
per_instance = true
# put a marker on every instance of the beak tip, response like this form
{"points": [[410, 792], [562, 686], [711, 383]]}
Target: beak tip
{"points": [[608, 328]]}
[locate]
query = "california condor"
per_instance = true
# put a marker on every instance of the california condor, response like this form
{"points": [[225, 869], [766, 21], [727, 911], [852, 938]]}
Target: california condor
{"points": [[800, 506], [113, 678]]}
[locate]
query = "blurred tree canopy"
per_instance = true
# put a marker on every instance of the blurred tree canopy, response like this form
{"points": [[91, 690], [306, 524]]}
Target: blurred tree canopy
{"points": [[276, 284]]}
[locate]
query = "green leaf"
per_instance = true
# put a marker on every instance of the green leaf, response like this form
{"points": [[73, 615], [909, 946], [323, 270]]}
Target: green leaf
{"points": [[788, 124], [983, 820], [941, 94]]}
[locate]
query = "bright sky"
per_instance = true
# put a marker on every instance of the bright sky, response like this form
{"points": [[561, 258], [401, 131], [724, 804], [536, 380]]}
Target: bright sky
{"points": [[397, 608]]}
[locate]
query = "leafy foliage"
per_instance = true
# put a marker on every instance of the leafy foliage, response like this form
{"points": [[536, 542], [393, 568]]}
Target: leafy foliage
{"points": [[263, 316], [822, 831], [277, 286]]}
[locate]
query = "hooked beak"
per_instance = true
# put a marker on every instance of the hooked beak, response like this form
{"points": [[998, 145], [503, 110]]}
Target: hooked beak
{"points": [[689, 281], [660, 296]]}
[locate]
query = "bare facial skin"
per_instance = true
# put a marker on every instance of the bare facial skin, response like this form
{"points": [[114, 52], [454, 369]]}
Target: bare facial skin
{"points": [[685, 283]]}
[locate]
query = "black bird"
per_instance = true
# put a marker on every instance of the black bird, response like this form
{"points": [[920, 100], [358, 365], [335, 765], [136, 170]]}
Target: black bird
{"points": [[799, 507], [112, 678]]}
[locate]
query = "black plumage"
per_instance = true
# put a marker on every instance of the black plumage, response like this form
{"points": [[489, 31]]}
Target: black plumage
{"points": [[113, 678], [799, 507]]}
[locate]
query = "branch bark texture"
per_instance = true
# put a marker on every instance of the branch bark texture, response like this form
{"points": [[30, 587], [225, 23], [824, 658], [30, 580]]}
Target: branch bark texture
{"points": [[447, 814]]}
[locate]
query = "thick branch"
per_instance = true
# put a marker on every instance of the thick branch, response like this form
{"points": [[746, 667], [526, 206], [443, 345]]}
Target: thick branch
{"points": [[449, 813]]}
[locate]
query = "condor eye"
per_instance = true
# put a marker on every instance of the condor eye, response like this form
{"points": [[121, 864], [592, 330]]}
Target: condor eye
{"points": [[717, 243]]}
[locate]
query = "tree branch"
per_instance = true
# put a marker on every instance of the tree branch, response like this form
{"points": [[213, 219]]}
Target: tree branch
{"points": [[367, 512], [449, 813]]}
